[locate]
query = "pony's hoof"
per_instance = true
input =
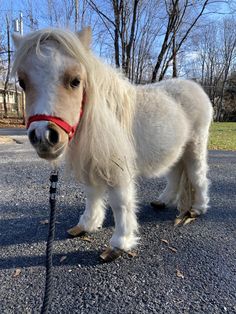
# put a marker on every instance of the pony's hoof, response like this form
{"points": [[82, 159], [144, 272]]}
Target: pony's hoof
{"points": [[183, 221], [110, 254], [76, 231], [186, 217], [158, 205]]}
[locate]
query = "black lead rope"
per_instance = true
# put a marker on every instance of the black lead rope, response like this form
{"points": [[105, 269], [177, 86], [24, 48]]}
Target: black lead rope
{"points": [[49, 249]]}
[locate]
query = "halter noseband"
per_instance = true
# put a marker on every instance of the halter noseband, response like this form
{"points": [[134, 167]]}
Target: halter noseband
{"points": [[69, 129]]}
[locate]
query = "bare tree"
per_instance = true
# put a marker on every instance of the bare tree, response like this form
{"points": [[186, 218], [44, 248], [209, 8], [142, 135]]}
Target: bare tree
{"points": [[65, 13], [147, 31], [61, 13], [175, 35], [6, 83], [31, 20], [124, 23], [76, 5], [230, 98], [147, 39], [229, 47], [214, 59]]}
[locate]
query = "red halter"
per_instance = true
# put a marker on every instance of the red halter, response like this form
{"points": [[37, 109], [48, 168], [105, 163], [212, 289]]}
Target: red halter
{"points": [[69, 129]]}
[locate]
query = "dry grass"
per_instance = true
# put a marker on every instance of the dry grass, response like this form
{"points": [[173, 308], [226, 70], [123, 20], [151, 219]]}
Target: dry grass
{"points": [[11, 123], [223, 136]]}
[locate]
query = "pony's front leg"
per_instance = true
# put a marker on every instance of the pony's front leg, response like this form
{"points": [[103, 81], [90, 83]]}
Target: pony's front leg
{"points": [[94, 213], [123, 203]]}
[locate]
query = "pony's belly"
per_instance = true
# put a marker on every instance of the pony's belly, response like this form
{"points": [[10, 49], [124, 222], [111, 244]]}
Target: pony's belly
{"points": [[161, 134], [149, 172], [157, 149], [156, 165]]}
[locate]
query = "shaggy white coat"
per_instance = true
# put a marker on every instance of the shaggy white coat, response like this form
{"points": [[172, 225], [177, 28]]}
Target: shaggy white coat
{"points": [[126, 131]]}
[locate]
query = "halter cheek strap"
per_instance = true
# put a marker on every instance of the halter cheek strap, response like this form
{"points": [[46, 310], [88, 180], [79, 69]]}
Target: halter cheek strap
{"points": [[69, 129]]}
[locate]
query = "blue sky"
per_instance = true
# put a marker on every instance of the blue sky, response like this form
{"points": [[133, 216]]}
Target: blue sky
{"points": [[15, 6]]}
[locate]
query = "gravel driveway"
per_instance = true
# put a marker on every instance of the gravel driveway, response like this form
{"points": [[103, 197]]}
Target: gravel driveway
{"points": [[189, 269]]}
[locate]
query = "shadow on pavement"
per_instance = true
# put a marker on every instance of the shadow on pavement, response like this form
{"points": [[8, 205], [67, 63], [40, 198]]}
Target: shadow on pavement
{"points": [[82, 258]]}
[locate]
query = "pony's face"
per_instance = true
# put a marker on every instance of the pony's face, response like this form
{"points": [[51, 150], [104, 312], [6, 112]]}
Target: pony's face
{"points": [[54, 86]]}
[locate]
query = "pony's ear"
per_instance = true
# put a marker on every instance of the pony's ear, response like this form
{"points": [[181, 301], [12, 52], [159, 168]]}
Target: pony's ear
{"points": [[17, 39], [85, 36]]}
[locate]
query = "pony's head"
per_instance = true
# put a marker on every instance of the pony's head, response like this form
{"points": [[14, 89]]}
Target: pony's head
{"points": [[61, 78], [51, 68]]}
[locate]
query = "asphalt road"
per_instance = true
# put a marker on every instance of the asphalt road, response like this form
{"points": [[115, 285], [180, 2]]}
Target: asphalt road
{"points": [[12, 131], [197, 276]]}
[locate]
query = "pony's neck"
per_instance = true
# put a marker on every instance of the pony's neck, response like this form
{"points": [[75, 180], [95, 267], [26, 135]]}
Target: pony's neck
{"points": [[117, 93], [103, 148]]}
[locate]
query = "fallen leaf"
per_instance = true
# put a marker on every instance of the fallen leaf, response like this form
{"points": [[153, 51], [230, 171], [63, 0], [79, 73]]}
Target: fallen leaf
{"points": [[189, 220], [16, 273], [46, 222], [178, 221], [165, 241], [172, 249], [110, 254], [76, 231], [17, 141], [87, 239], [132, 254], [63, 258], [179, 274]]}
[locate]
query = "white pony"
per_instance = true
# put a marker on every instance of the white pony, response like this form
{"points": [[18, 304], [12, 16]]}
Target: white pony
{"points": [[112, 131]]}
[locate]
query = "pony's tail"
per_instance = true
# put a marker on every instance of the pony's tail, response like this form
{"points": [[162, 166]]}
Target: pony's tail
{"points": [[185, 194]]}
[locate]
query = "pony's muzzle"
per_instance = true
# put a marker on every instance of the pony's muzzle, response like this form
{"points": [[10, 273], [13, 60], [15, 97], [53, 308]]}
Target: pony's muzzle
{"points": [[51, 137], [49, 140]]}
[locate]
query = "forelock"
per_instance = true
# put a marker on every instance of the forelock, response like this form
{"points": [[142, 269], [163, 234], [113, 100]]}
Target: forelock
{"points": [[66, 39]]}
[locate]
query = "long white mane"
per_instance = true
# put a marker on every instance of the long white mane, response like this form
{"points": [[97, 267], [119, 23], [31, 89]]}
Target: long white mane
{"points": [[108, 111]]}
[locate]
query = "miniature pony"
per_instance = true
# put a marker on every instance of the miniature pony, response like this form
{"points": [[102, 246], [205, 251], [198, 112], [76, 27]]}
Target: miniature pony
{"points": [[111, 131]]}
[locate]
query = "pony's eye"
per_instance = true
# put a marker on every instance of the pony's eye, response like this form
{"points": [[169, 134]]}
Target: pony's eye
{"points": [[75, 83], [22, 83]]}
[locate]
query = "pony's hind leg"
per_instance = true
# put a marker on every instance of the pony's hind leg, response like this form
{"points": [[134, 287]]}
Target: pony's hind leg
{"points": [[94, 213], [195, 159], [170, 193], [123, 204]]}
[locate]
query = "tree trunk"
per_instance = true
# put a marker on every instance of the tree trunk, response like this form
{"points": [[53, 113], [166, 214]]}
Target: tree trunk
{"points": [[5, 102], [6, 83], [17, 101], [172, 19], [174, 61], [116, 32], [131, 39], [76, 14], [159, 60], [23, 106]]}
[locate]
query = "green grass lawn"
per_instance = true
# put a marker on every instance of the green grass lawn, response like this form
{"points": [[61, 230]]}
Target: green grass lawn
{"points": [[223, 136]]}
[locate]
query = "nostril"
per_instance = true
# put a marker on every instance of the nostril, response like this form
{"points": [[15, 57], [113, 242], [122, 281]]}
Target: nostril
{"points": [[33, 138], [53, 136]]}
